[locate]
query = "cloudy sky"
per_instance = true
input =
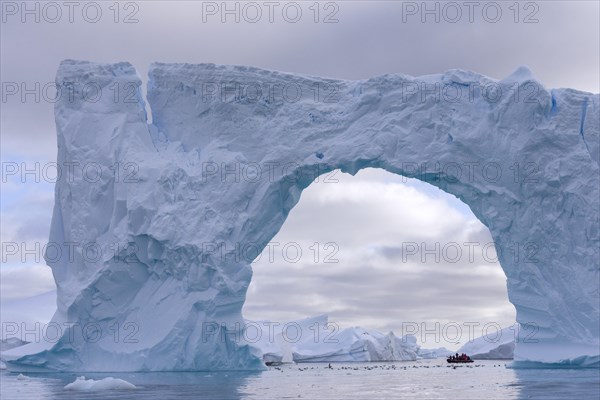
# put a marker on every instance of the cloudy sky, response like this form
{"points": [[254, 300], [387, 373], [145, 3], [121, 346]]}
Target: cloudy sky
{"points": [[371, 216]]}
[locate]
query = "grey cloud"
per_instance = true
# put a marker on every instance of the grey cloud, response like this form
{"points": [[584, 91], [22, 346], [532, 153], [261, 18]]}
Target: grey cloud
{"points": [[370, 39]]}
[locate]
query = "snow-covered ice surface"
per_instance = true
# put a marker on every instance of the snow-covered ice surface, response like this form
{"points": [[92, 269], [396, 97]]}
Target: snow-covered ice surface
{"points": [[426, 379], [524, 159]]}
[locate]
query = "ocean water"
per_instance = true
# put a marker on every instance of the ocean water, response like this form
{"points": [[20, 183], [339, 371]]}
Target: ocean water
{"points": [[427, 379]]}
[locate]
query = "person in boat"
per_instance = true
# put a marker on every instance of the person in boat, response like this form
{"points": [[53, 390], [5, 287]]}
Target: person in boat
{"points": [[459, 358]]}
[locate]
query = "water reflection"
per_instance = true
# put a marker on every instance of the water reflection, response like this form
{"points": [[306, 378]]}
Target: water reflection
{"points": [[558, 383]]}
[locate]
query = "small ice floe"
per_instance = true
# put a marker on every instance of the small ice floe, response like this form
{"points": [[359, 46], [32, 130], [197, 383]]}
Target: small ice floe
{"points": [[2, 365], [21, 377], [90, 385]]}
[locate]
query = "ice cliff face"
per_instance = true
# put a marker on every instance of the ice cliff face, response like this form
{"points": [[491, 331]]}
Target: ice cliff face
{"points": [[183, 205]]}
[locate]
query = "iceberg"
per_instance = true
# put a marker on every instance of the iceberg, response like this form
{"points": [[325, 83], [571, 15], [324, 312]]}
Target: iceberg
{"points": [[438, 352], [276, 341], [24, 320], [28, 311], [155, 224], [90, 385], [315, 339], [11, 343], [357, 344], [7, 344], [496, 345]]}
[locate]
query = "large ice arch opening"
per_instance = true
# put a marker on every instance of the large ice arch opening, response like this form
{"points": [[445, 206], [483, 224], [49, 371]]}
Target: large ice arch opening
{"points": [[172, 285], [384, 252]]}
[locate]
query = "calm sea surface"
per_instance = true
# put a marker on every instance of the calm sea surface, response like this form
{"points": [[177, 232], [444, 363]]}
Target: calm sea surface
{"points": [[428, 379]]}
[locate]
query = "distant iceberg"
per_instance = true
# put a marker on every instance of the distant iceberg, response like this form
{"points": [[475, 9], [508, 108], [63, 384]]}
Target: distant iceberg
{"points": [[434, 353], [315, 339], [277, 341], [358, 344], [11, 343], [497, 345]]}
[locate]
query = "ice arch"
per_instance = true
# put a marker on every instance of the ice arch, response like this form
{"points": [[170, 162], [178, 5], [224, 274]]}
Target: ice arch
{"points": [[171, 191]]}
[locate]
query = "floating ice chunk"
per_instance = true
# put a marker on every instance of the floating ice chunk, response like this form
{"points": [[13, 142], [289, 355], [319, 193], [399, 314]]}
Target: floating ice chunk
{"points": [[91, 385]]}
